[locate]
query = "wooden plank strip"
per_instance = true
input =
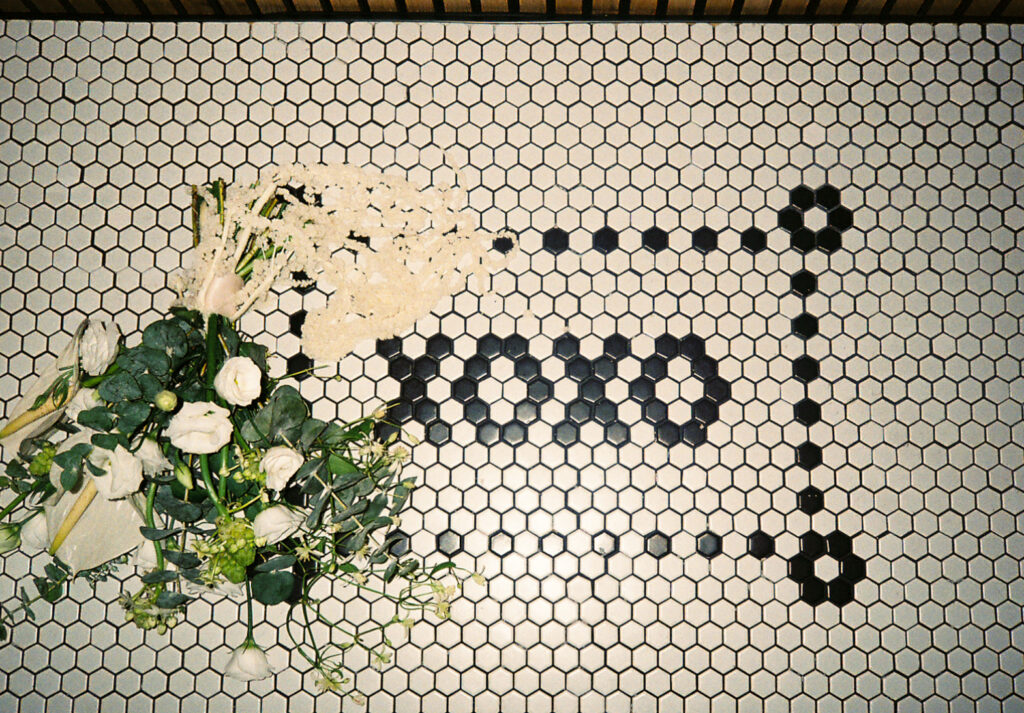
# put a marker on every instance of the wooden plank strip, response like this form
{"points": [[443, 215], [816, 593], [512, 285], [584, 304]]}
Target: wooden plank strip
{"points": [[463, 6], [1014, 9], [606, 7], [756, 7], [125, 8], [868, 7], [494, 6], [308, 5], [533, 7], [643, 7], [982, 8], [568, 7], [419, 6], [793, 7], [943, 8], [197, 7], [160, 7], [718, 8], [271, 7], [906, 8], [342, 5], [679, 7], [831, 8], [86, 7], [13, 6]]}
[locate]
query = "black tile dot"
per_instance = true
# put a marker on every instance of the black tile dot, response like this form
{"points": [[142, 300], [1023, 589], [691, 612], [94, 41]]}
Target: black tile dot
{"points": [[828, 240], [616, 347], [705, 368], [476, 411], [527, 411], [604, 368], [802, 197], [807, 412], [401, 412], [718, 390], [827, 196], [655, 239], [439, 346], [566, 433], [296, 321], [400, 367], [654, 368], [605, 411], [413, 389], [812, 545], [592, 389], [616, 433], [503, 244], [488, 432], [791, 219], [578, 369], [567, 347], [705, 240], [438, 433], [425, 367], [426, 411], [641, 389], [840, 218], [812, 591], [579, 412], [655, 411], [800, 568], [488, 346], [539, 390], [513, 433], [760, 544], [606, 240], [810, 500], [694, 433], [667, 433], [691, 347], [852, 568], [389, 348], [838, 544], [515, 346], [299, 365], [464, 389], [808, 455], [805, 326], [657, 544], [500, 543], [527, 369], [556, 241], [753, 240], [804, 283], [705, 410], [709, 544], [803, 240], [449, 542], [477, 367], [839, 591], [301, 276], [398, 543], [806, 369]]}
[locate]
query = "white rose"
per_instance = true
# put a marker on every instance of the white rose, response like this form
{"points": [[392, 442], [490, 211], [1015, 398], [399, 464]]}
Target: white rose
{"points": [[200, 427], [248, 663], [220, 295], [277, 523], [84, 400], [122, 472], [153, 460], [280, 463], [34, 536], [238, 381], [99, 346], [145, 555]]}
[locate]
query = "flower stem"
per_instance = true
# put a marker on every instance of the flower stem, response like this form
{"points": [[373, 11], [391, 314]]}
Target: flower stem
{"points": [[248, 607], [150, 499], [94, 380], [212, 348], [211, 490], [15, 503]]}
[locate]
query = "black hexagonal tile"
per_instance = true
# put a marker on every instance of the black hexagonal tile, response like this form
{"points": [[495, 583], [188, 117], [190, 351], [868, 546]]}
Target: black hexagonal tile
{"points": [[616, 347], [704, 239], [388, 348], [839, 591], [449, 543], [760, 544], [513, 433], [827, 196], [299, 366], [804, 283], [852, 568], [666, 346], [425, 367], [606, 240], [476, 411], [838, 544], [515, 346], [718, 390], [808, 455], [803, 240], [657, 544], [641, 389], [655, 239], [556, 241], [667, 433], [812, 591], [807, 412], [567, 347], [691, 346], [488, 346], [810, 500], [840, 218], [439, 346], [566, 433], [488, 432], [295, 322], [753, 240], [791, 219], [694, 433], [805, 326], [705, 410], [812, 545], [806, 369], [800, 568], [400, 367], [464, 389], [802, 197], [527, 411], [828, 240], [654, 368], [709, 544]]}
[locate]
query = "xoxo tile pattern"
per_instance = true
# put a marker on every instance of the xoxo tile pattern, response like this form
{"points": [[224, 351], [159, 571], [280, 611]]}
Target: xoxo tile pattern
{"points": [[738, 429]]}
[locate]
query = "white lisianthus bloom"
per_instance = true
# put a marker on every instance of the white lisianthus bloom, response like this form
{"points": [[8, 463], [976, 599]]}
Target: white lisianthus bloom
{"points": [[223, 588], [99, 346], [277, 523], [238, 381], [248, 663], [280, 463], [34, 536], [220, 295], [144, 556], [122, 472], [153, 460], [84, 400], [200, 427]]}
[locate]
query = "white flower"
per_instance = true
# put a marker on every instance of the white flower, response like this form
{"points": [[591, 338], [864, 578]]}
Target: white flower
{"points": [[248, 663], [220, 295], [153, 460], [84, 400], [277, 523], [280, 463], [122, 472], [99, 346], [34, 536], [222, 588], [145, 555], [238, 381], [9, 537], [200, 427]]}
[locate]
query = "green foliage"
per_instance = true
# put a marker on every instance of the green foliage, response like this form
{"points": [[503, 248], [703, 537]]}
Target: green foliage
{"points": [[280, 421], [272, 587]]}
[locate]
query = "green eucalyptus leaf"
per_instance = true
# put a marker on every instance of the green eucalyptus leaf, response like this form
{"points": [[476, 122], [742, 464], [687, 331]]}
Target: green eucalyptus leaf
{"points": [[272, 587], [99, 418], [153, 533], [167, 337], [280, 420], [131, 415], [170, 600], [151, 386], [185, 560], [180, 510], [106, 441], [48, 590], [276, 563], [255, 352], [160, 576], [121, 386]]}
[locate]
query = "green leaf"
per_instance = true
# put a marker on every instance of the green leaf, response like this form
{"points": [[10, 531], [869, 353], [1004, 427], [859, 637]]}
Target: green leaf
{"points": [[153, 533], [170, 600], [144, 359], [185, 560], [255, 352], [106, 441], [48, 590], [391, 571], [341, 466], [280, 420], [276, 563], [121, 386], [98, 419], [180, 510], [132, 414], [151, 386], [272, 587], [167, 337], [160, 576], [441, 567]]}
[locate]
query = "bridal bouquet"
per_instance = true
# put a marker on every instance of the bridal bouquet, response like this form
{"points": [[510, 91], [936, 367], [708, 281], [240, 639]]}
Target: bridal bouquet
{"points": [[183, 456]]}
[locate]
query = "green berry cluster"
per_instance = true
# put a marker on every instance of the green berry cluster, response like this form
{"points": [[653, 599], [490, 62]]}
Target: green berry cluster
{"points": [[142, 610], [230, 550], [249, 470], [43, 460]]}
